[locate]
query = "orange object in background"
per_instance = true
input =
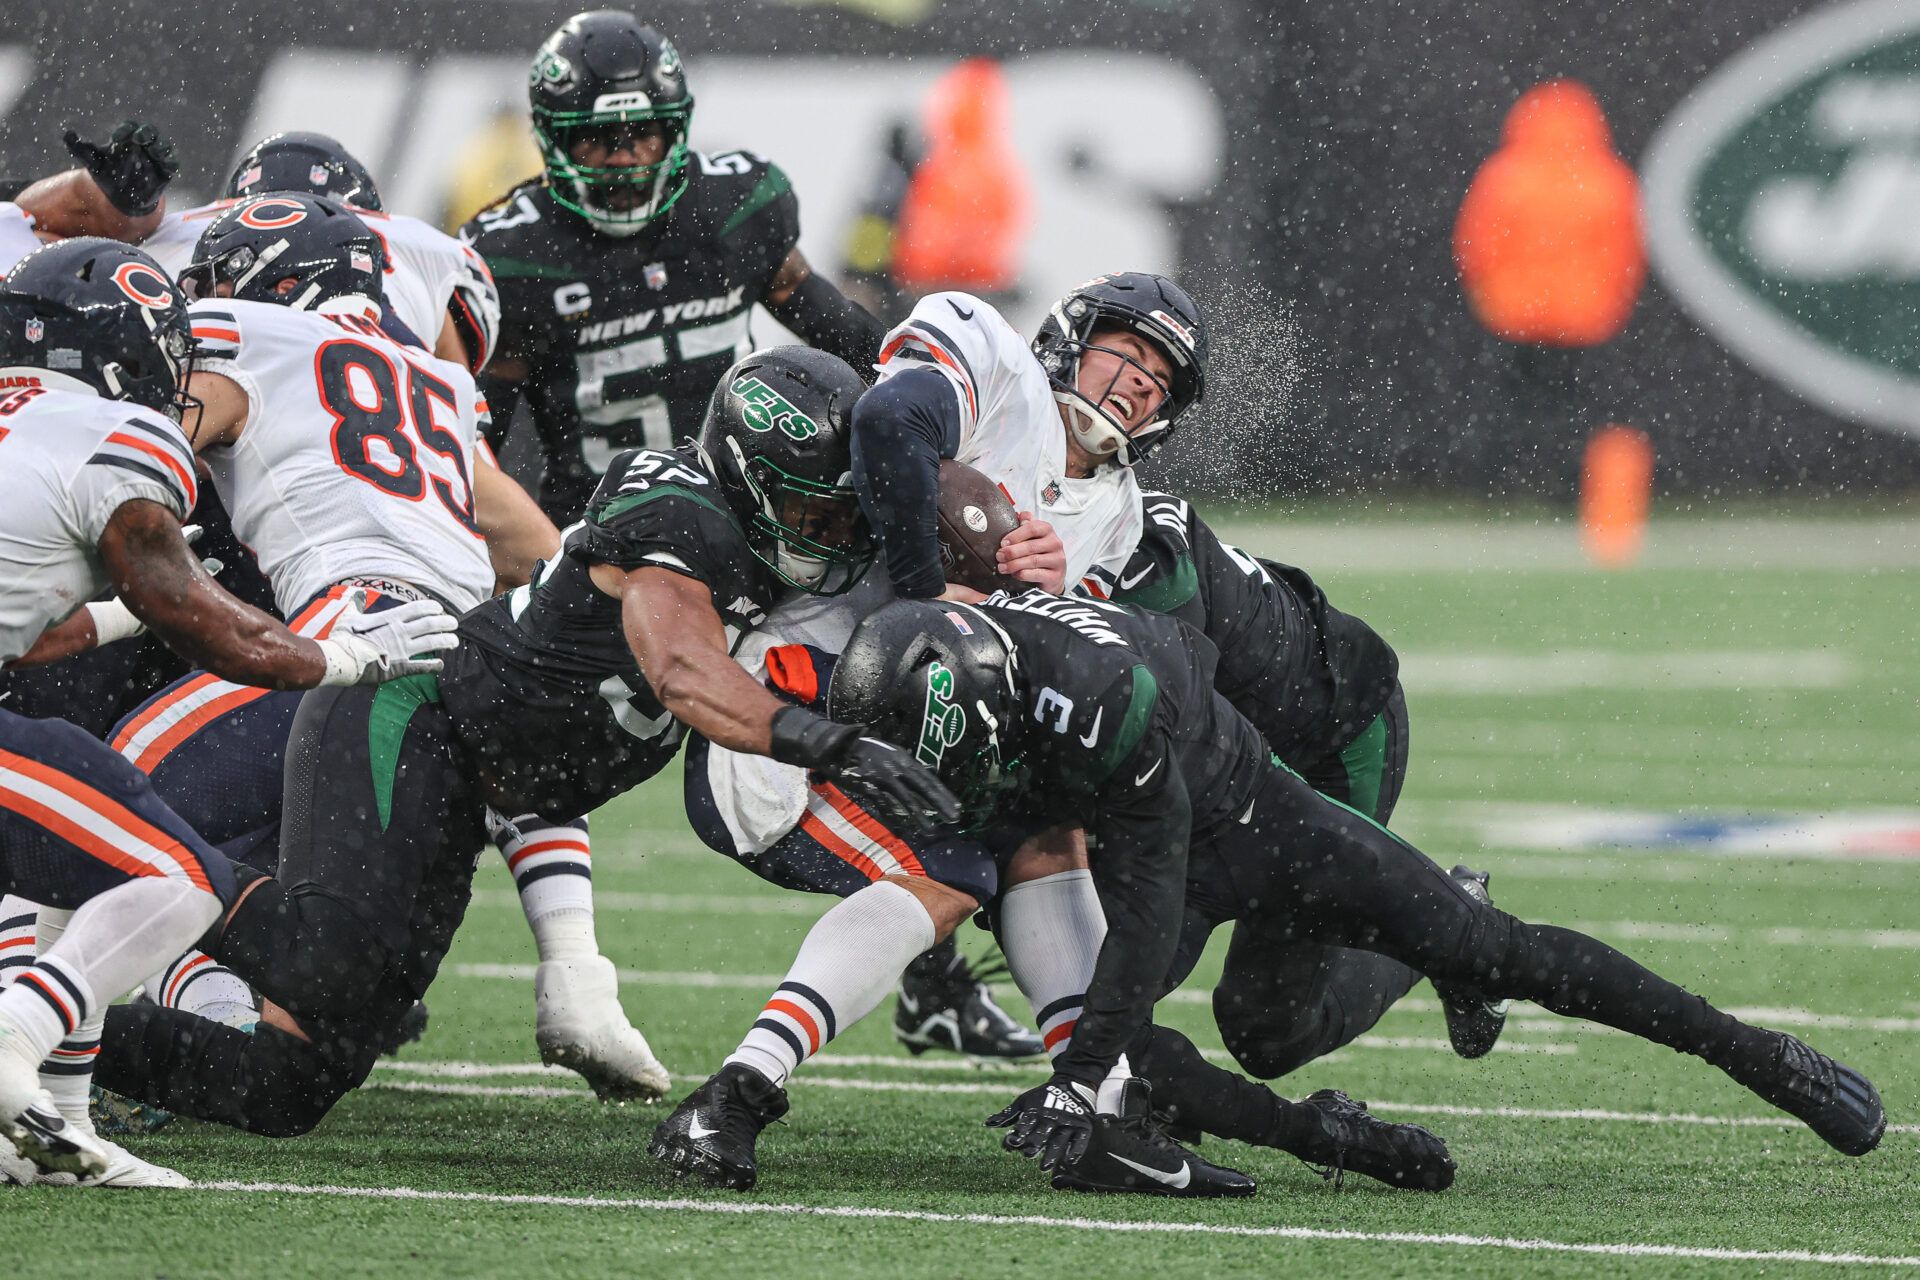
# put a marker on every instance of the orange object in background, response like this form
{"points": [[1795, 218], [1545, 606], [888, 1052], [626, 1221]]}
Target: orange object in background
{"points": [[1616, 488], [1548, 241], [965, 210]]}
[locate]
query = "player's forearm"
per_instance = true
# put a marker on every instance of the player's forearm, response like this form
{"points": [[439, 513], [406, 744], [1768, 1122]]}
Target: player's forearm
{"points": [[901, 430], [71, 203], [706, 690], [519, 535], [233, 640], [63, 639], [831, 321]]}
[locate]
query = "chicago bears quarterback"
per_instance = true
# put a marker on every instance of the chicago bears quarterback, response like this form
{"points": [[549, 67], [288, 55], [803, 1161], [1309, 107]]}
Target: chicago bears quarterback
{"points": [[1197, 825], [629, 271], [94, 341]]}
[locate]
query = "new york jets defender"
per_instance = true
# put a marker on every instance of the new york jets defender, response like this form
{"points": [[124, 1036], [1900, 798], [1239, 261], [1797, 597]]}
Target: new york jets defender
{"points": [[1053, 710], [1323, 689], [563, 694], [436, 287], [93, 343], [628, 273]]}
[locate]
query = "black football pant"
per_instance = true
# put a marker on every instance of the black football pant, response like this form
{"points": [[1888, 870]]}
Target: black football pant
{"points": [[1304, 869], [379, 835]]}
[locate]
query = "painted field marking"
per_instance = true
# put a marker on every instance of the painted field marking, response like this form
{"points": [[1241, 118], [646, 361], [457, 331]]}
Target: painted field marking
{"points": [[751, 1207]]}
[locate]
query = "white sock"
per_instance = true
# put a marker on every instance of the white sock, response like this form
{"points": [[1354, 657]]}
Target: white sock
{"points": [[1107, 1103], [1051, 930], [17, 948], [67, 1072], [196, 983], [47, 1003], [552, 867], [851, 960]]}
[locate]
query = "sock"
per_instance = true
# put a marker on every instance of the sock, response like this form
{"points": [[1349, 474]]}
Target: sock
{"points": [[16, 937], [67, 1072], [553, 873], [201, 985], [1107, 1100], [1051, 930], [850, 960], [45, 1005]]}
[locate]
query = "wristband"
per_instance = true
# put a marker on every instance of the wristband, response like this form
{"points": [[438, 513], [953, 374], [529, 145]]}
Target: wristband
{"points": [[799, 737], [113, 621], [343, 666]]}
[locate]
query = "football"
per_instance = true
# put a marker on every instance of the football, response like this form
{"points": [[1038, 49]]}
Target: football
{"points": [[974, 515]]}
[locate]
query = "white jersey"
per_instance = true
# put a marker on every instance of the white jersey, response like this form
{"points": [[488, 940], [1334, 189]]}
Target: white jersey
{"points": [[1010, 429], [71, 460], [357, 457], [427, 269], [16, 236]]}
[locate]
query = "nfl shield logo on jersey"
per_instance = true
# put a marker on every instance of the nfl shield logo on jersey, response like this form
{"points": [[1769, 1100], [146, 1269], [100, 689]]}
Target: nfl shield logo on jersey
{"points": [[656, 273], [317, 175], [35, 330], [1050, 494]]}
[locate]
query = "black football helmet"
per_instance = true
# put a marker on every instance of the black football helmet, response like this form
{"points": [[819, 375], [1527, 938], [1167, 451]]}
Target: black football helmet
{"points": [[1156, 309], [777, 434], [314, 239], [103, 313], [602, 70], [937, 679], [310, 162]]}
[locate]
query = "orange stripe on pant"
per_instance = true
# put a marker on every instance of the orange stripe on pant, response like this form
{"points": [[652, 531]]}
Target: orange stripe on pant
{"points": [[840, 848], [161, 747], [872, 828], [112, 810]]}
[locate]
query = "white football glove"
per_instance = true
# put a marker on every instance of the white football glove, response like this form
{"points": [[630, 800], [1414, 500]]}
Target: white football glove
{"points": [[373, 648]]}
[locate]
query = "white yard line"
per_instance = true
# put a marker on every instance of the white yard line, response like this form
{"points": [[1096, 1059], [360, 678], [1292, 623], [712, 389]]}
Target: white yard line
{"points": [[1628, 1249]]}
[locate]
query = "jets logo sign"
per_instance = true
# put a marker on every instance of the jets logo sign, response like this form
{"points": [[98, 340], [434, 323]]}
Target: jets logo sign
{"points": [[766, 410], [944, 723], [1780, 198]]}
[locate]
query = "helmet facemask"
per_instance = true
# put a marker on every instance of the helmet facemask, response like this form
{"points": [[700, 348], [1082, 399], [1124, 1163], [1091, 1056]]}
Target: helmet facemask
{"points": [[813, 536], [619, 200]]}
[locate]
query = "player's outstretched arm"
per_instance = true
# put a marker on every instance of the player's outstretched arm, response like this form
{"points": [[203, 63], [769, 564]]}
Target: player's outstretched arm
{"points": [[117, 191], [519, 535], [813, 308], [681, 647], [162, 582]]}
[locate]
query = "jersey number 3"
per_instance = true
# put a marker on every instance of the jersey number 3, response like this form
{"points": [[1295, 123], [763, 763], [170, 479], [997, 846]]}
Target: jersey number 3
{"points": [[372, 417]]}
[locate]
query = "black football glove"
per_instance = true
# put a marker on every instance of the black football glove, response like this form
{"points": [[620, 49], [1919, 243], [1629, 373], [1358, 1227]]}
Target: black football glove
{"points": [[878, 776], [133, 168], [1051, 1123]]}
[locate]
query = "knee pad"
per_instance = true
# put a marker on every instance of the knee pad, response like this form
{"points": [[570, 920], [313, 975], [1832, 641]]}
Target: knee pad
{"points": [[305, 950]]}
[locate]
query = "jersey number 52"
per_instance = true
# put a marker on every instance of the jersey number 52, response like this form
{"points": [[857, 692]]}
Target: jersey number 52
{"points": [[379, 412]]}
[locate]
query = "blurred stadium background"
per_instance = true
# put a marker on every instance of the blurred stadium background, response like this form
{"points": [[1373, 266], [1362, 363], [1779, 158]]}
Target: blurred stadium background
{"points": [[1449, 250]]}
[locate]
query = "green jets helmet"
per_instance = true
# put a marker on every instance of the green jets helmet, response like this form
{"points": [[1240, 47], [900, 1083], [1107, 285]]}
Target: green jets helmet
{"points": [[602, 70]]}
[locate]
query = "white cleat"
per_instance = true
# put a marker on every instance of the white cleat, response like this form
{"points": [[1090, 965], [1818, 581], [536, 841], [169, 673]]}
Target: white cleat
{"points": [[581, 1026], [125, 1169], [42, 1135]]}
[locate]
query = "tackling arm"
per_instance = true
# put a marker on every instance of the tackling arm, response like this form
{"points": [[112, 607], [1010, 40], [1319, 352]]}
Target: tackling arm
{"points": [[825, 317]]}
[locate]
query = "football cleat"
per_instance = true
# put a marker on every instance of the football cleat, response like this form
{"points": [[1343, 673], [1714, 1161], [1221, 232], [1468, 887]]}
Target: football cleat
{"points": [[118, 1115], [124, 1171], [1834, 1100], [411, 1027], [42, 1135], [581, 1026], [713, 1133], [944, 1003], [1348, 1137], [1474, 1023], [1130, 1154]]}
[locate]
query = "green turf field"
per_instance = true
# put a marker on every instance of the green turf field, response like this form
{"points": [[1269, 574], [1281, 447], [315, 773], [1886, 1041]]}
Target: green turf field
{"points": [[1545, 700]]}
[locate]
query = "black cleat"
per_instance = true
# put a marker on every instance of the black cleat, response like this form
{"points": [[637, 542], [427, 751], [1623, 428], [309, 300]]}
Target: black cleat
{"points": [[1346, 1136], [712, 1134], [1129, 1153], [944, 1004], [1474, 1023], [412, 1026], [1834, 1100]]}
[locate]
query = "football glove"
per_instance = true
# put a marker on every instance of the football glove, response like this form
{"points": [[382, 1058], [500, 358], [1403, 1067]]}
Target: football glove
{"points": [[133, 168], [373, 648], [1051, 1123], [878, 776]]}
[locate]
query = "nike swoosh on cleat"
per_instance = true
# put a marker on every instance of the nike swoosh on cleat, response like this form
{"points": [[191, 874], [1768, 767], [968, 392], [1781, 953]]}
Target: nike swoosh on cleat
{"points": [[1178, 1181], [697, 1130]]}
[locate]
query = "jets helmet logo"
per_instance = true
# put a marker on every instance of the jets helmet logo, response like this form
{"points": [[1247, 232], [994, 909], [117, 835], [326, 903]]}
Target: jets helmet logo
{"points": [[944, 723], [766, 410]]}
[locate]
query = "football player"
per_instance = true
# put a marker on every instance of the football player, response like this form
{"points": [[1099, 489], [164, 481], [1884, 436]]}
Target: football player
{"points": [[1057, 423], [1192, 823], [629, 271], [1323, 689], [116, 193], [94, 342], [563, 694]]}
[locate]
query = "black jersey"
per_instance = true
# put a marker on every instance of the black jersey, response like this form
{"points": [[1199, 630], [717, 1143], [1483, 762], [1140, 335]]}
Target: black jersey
{"points": [[1123, 733], [1308, 676], [544, 689], [624, 338]]}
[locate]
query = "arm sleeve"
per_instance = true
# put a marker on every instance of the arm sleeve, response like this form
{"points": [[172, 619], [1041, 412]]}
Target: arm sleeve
{"points": [[1139, 862], [831, 321], [901, 430]]}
